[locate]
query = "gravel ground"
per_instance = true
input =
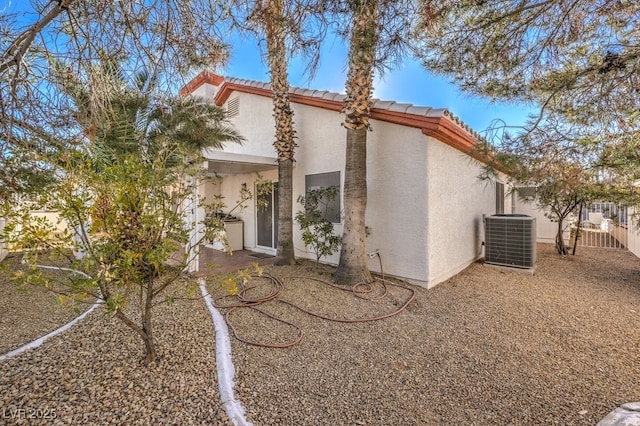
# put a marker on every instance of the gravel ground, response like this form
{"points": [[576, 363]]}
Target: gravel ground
{"points": [[92, 374], [31, 312], [486, 347]]}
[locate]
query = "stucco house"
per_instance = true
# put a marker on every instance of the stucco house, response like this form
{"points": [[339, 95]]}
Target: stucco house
{"points": [[425, 201]]}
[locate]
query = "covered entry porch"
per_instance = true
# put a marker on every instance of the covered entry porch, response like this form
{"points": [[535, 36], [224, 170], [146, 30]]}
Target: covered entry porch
{"points": [[227, 175]]}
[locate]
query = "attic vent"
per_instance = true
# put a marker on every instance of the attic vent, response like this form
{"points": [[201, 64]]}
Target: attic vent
{"points": [[510, 240], [233, 107]]}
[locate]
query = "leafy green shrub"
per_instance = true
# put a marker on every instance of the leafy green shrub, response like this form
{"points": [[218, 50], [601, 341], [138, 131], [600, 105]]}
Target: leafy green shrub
{"points": [[317, 230]]}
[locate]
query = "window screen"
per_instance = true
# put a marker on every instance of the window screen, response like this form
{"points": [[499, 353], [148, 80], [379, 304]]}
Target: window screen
{"points": [[526, 193]]}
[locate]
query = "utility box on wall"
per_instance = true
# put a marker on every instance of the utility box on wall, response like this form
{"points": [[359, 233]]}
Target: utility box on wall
{"points": [[510, 240], [234, 230], [235, 234]]}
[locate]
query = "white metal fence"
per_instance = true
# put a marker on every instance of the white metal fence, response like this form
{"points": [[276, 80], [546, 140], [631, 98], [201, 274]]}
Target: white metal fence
{"points": [[604, 225]]}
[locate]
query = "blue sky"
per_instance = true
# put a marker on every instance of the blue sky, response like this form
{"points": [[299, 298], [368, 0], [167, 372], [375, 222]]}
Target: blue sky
{"points": [[408, 83]]}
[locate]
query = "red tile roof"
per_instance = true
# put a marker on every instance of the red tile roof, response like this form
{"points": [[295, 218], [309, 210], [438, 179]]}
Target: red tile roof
{"points": [[438, 123]]}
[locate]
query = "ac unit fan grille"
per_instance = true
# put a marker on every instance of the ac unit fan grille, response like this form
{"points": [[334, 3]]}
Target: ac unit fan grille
{"points": [[510, 240]]}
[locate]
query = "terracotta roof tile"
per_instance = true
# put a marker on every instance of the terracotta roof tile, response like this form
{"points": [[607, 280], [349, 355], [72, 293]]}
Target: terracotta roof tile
{"points": [[329, 95], [399, 107], [452, 131], [340, 97], [437, 112], [418, 110], [377, 103]]}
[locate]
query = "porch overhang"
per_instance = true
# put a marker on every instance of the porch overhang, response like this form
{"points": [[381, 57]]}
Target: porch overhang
{"points": [[229, 163]]}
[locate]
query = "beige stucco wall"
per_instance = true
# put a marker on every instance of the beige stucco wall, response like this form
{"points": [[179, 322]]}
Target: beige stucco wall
{"points": [[545, 228], [255, 122], [457, 201], [633, 233], [397, 200], [206, 91], [425, 201], [395, 212], [321, 149]]}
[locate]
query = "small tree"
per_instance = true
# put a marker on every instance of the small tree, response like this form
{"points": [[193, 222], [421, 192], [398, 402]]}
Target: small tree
{"points": [[125, 193], [557, 158], [317, 230], [34, 113], [565, 187]]}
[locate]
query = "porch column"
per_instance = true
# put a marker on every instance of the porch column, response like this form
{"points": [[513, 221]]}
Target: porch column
{"points": [[194, 224]]}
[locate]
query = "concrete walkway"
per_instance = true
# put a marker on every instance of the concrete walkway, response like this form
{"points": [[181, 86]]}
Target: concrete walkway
{"points": [[218, 262]]}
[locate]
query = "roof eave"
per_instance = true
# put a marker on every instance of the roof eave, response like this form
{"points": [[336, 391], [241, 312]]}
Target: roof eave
{"points": [[440, 126]]}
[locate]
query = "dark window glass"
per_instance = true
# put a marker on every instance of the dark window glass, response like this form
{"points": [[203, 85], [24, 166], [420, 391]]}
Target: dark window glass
{"points": [[324, 180]]}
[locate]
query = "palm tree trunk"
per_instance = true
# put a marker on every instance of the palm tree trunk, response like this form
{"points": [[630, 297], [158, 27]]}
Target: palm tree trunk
{"points": [[285, 135], [285, 252], [353, 265]]}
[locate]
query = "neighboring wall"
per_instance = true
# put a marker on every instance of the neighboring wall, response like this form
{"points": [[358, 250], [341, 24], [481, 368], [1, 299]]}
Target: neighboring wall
{"points": [[545, 229], [52, 217], [633, 233], [3, 248]]}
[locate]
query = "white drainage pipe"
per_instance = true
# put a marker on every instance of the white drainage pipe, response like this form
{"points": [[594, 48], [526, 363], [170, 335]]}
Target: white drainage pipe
{"points": [[224, 364], [62, 329]]}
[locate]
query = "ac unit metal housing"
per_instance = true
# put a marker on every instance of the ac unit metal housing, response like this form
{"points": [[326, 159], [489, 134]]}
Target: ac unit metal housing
{"points": [[510, 240]]}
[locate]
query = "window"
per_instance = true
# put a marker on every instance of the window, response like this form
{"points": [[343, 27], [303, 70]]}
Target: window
{"points": [[324, 180], [526, 193], [499, 198]]}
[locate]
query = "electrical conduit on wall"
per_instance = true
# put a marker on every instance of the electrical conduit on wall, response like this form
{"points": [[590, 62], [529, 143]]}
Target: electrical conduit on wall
{"points": [[224, 364]]}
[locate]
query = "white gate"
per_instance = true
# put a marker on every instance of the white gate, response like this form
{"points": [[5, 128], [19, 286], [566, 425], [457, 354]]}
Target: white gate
{"points": [[603, 225]]}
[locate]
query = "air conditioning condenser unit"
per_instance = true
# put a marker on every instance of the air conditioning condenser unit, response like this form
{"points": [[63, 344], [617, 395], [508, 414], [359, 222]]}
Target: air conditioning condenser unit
{"points": [[510, 240]]}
